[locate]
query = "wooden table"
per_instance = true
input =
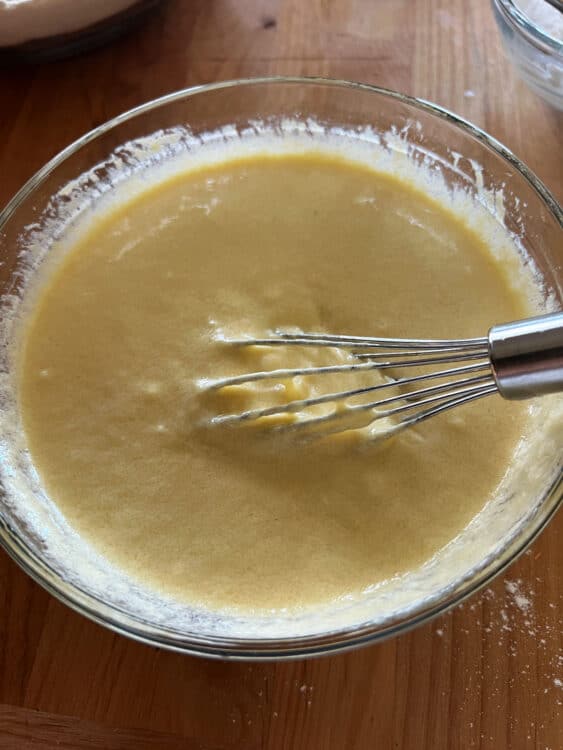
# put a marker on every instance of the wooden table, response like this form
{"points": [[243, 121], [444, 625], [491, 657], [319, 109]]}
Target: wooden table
{"points": [[488, 675]]}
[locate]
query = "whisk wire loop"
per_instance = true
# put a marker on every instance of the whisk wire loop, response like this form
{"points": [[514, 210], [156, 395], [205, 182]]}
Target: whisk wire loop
{"points": [[458, 384], [521, 359]]}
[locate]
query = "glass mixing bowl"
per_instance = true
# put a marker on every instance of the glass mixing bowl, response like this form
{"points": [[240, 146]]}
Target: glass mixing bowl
{"points": [[464, 158]]}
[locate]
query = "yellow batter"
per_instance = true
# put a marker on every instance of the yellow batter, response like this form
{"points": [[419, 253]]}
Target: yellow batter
{"points": [[124, 330]]}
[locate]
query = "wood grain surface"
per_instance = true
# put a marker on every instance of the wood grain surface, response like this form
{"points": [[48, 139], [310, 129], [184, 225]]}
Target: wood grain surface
{"points": [[488, 675]]}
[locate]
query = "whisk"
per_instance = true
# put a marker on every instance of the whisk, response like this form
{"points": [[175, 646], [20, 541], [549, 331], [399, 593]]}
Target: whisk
{"points": [[518, 360]]}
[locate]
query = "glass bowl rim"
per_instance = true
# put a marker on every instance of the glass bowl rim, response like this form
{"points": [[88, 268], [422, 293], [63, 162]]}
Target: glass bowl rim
{"points": [[239, 648], [518, 20]]}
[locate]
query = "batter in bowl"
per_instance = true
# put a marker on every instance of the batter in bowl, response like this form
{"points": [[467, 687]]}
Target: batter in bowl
{"points": [[124, 329]]}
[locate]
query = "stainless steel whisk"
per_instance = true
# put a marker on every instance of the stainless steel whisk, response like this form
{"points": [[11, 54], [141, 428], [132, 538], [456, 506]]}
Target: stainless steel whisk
{"points": [[518, 360]]}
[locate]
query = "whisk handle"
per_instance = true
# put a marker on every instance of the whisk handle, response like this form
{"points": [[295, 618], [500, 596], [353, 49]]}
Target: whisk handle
{"points": [[527, 356]]}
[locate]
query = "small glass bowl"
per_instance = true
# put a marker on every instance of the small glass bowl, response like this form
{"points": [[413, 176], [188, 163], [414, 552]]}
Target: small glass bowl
{"points": [[538, 57], [464, 157]]}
